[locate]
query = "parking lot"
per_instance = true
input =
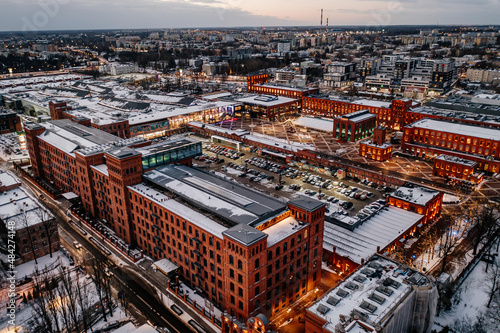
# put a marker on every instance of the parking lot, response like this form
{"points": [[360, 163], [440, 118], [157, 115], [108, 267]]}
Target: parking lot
{"points": [[285, 181]]}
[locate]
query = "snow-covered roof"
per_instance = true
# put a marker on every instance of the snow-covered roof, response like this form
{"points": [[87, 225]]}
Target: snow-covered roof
{"points": [[238, 132], [165, 113], [358, 116], [266, 100], [102, 168], [378, 231], [283, 229], [372, 144], [418, 195], [181, 210], [374, 291], [165, 265], [455, 159], [69, 136], [457, 128], [278, 143], [321, 124], [373, 103], [19, 206], [227, 200], [6, 179]]}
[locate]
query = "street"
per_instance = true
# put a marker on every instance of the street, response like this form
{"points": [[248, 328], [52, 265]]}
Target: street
{"points": [[142, 297]]}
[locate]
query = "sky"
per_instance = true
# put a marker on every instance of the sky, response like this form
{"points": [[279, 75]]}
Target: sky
{"points": [[35, 15]]}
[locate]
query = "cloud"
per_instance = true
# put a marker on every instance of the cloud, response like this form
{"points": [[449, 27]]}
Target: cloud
{"points": [[114, 14], [144, 14]]}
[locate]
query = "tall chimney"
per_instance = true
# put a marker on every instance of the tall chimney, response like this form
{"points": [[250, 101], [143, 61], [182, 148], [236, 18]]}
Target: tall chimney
{"points": [[321, 21]]}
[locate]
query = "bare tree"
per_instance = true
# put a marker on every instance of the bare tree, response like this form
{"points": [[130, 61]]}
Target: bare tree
{"points": [[67, 294], [448, 241], [492, 282], [41, 315], [24, 221], [467, 325], [49, 225], [103, 284], [83, 301]]}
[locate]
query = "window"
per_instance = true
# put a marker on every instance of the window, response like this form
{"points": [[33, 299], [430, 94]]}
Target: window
{"points": [[240, 264], [257, 263]]}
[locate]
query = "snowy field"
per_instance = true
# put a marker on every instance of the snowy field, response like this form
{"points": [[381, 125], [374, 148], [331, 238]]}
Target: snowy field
{"points": [[469, 302]]}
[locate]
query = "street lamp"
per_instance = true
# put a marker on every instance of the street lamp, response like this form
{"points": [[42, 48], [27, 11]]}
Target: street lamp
{"points": [[288, 311]]}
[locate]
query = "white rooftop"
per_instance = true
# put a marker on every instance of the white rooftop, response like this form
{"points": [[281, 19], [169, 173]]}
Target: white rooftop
{"points": [[455, 159], [373, 292], [102, 168], [372, 144], [6, 179], [377, 232], [321, 124], [457, 128], [282, 230], [179, 209], [169, 112], [418, 195], [19, 206], [266, 100]]}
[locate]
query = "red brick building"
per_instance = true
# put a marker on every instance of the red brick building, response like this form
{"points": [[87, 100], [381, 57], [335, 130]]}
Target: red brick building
{"points": [[250, 259], [420, 200], [388, 114], [246, 252], [99, 166], [456, 168], [256, 79], [34, 227], [430, 138], [112, 125], [9, 121], [269, 107], [377, 149], [281, 90], [354, 126], [258, 84]]}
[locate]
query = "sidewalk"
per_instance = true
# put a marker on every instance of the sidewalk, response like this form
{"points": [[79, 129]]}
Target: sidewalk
{"points": [[155, 279], [160, 281]]}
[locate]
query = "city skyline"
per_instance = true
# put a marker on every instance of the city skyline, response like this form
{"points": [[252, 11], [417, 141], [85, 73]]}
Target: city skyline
{"points": [[32, 15]]}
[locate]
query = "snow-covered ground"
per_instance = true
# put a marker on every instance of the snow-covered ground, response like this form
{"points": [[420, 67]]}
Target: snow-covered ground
{"points": [[58, 258], [25, 312], [468, 302], [451, 199]]}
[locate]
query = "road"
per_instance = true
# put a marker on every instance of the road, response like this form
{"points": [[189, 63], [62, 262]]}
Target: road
{"points": [[140, 294]]}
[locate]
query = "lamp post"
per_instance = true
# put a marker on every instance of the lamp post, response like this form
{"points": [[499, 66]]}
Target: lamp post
{"points": [[289, 315]]}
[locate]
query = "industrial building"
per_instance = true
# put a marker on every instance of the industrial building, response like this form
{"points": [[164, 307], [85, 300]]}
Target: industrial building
{"points": [[380, 296]]}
